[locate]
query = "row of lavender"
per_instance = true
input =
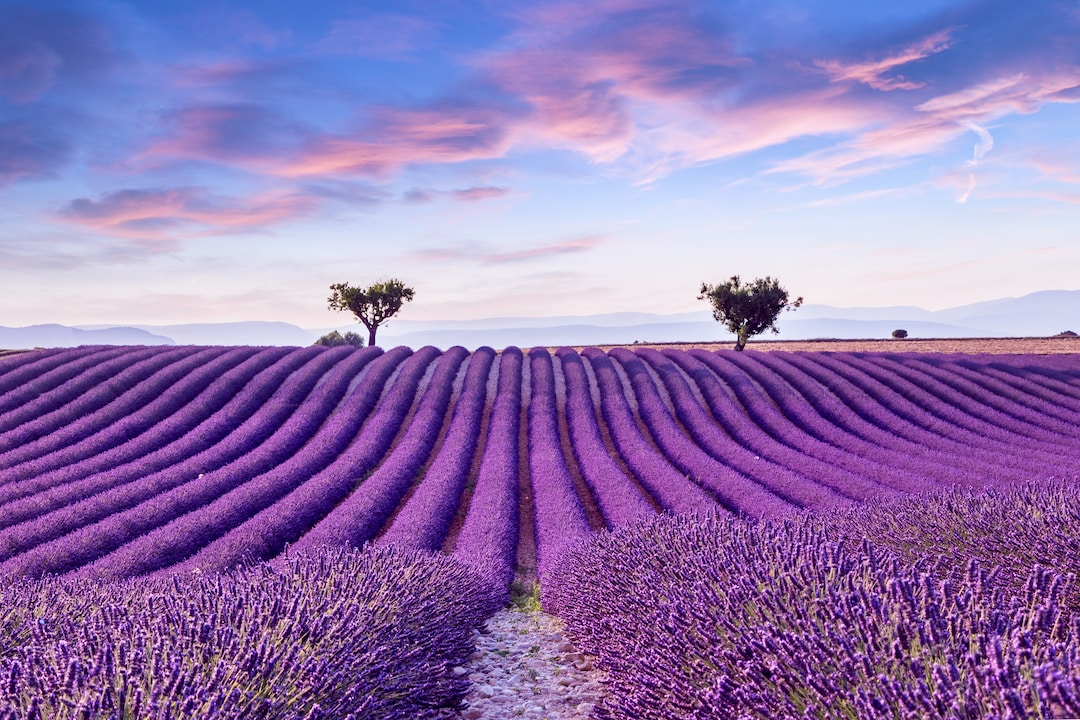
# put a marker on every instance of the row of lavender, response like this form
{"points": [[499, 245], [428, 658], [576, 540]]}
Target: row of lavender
{"points": [[339, 634], [958, 605], [120, 462]]}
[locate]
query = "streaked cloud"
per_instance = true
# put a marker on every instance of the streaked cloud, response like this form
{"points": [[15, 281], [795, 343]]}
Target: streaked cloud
{"points": [[872, 72], [157, 214], [487, 255]]}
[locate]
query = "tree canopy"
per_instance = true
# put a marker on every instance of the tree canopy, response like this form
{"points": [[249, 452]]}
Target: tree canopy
{"points": [[373, 305], [748, 309]]}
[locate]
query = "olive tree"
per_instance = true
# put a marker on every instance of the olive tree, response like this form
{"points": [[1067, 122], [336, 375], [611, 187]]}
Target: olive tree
{"points": [[748, 309], [373, 305]]}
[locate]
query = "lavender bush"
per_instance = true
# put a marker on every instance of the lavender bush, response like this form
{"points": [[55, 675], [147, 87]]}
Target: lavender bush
{"points": [[712, 617], [337, 634]]}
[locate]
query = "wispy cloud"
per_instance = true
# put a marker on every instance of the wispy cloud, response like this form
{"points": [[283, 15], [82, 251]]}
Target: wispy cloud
{"points": [[166, 214], [872, 72], [486, 255]]}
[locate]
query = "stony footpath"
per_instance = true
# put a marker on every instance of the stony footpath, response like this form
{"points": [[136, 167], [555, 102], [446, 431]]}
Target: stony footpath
{"points": [[524, 667]]}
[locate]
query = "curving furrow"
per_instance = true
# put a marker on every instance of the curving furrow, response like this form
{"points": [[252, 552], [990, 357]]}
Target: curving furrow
{"points": [[73, 500], [361, 516], [560, 518], [776, 403], [735, 491], [22, 373], [172, 411], [618, 497], [69, 392], [998, 404], [738, 442], [139, 400], [326, 423], [162, 444], [952, 415], [489, 536], [424, 519], [270, 436], [268, 531], [889, 420], [665, 482]]}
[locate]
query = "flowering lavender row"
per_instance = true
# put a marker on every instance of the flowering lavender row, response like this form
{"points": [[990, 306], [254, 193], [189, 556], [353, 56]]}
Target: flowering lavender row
{"points": [[335, 635], [267, 532], [711, 617], [26, 376], [652, 469], [238, 427], [489, 537], [961, 418], [361, 516], [128, 405], [559, 516], [162, 409], [739, 443], [27, 391], [71, 401], [778, 406], [734, 490], [847, 405], [425, 518], [327, 426], [147, 459], [162, 444], [269, 438], [620, 500], [975, 423]]}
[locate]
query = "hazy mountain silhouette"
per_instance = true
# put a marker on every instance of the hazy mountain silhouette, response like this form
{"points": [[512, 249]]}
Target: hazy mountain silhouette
{"points": [[1039, 314]]}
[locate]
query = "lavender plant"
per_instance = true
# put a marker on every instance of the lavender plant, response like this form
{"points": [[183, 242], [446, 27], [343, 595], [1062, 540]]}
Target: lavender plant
{"points": [[712, 617], [335, 634]]}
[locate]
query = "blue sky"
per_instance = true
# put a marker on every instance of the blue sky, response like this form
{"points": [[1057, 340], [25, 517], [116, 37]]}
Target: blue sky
{"points": [[165, 162]]}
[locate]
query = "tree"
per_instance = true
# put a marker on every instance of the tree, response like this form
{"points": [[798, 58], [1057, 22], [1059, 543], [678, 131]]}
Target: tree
{"points": [[334, 339], [749, 309], [899, 333], [373, 305]]}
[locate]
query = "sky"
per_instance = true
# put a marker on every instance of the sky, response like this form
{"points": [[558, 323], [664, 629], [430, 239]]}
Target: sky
{"points": [[174, 162]]}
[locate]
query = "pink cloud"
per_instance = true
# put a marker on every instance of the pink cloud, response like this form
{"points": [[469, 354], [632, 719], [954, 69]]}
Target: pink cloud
{"points": [[164, 214], [870, 72], [399, 138], [475, 194]]}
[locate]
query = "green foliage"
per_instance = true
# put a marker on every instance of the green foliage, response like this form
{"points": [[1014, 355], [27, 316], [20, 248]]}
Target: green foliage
{"points": [[373, 305], [334, 339], [525, 597], [899, 333], [748, 309]]}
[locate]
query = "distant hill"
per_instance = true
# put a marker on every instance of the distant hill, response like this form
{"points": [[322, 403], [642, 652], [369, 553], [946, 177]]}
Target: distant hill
{"points": [[1040, 314], [34, 336], [231, 333]]}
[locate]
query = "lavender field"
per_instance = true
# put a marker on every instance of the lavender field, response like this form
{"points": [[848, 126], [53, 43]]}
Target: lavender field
{"points": [[138, 484]]}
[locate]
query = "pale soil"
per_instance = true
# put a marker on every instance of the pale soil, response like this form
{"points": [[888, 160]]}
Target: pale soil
{"points": [[997, 346]]}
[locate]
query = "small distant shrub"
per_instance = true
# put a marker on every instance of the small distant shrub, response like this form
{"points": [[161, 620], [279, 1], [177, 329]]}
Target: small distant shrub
{"points": [[899, 333], [1066, 334], [333, 339]]}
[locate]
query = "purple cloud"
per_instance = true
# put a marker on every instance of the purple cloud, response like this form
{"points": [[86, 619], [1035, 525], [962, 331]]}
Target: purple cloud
{"points": [[166, 214], [38, 48], [30, 151]]}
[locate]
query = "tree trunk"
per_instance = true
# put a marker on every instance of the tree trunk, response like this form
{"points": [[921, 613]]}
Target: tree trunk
{"points": [[371, 335], [740, 342]]}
